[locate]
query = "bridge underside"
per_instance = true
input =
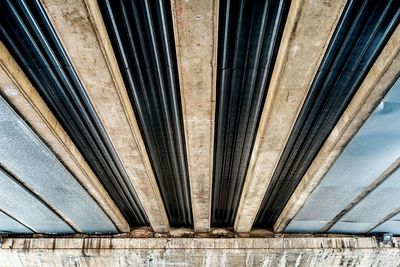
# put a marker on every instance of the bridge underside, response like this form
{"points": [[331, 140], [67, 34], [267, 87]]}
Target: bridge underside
{"points": [[233, 119]]}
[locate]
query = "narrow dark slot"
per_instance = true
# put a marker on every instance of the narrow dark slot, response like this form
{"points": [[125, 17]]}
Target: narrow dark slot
{"points": [[362, 32], [248, 42], [141, 33], [30, 38]]}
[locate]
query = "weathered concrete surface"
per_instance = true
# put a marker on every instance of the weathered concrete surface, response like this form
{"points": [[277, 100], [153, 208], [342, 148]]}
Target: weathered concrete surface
{"points": [[19, 92], [380, 78], [81, 30], [309, 27], [198, 252], [195, 27]]}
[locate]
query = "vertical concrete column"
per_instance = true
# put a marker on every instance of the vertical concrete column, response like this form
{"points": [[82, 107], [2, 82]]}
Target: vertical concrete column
{"points": [[195, 26], [308, 30]]}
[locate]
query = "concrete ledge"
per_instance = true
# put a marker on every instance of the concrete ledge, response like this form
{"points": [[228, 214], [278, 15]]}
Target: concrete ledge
{"points": [[113, 243], [342, 251]]}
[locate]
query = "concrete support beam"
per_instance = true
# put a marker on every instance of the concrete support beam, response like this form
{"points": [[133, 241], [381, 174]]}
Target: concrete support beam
{"points": [[19, 92], [343, 251], [82, 32], [383, 74], [195, 26], [308, 30]]}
